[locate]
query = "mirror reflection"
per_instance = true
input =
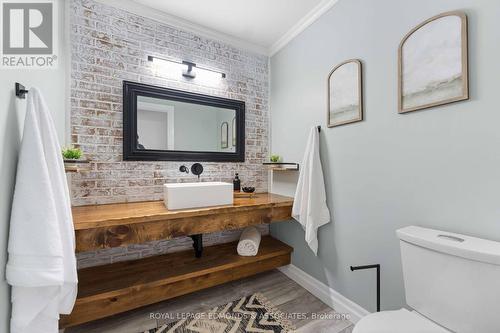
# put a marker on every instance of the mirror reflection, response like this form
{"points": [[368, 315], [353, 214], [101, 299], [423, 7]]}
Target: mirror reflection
{"points": [[164, 124]]}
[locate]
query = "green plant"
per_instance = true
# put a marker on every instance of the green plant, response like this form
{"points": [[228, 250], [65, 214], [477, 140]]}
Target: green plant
{"points": [[275, 158], [72, 153]]}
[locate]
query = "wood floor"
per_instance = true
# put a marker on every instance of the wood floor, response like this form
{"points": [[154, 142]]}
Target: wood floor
{"points": [[286, 295]]}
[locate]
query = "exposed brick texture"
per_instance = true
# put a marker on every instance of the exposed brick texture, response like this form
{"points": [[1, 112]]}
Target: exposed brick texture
{"points": [[109, 45], [108, 256]]}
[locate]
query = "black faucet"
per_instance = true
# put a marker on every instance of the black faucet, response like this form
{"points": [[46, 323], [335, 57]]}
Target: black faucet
{"points": [[197, 169]]}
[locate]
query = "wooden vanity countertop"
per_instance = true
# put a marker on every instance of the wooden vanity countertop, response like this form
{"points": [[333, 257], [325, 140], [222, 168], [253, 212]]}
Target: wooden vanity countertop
{"points": [[111, 289], [109, 215]]}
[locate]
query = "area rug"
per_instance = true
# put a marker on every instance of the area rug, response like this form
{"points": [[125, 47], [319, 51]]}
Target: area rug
{"points": [[248, 314]]}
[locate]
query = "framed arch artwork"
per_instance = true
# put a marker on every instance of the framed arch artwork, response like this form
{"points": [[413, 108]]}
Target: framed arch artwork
{"points": [[345, 94], [432, 63]]}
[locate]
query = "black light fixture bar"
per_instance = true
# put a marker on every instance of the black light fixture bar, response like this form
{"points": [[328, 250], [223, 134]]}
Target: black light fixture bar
{"points": [[188, 73]]}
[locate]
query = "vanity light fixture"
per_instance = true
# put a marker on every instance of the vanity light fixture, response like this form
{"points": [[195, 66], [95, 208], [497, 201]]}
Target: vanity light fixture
{"points": [[189, 72]]}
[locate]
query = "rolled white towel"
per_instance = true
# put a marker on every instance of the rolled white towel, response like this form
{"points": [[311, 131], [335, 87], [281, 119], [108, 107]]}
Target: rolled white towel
{"points": [[249, 242]]}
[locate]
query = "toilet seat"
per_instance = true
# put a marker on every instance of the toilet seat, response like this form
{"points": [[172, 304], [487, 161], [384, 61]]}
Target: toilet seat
{"points": [[400, 321]]}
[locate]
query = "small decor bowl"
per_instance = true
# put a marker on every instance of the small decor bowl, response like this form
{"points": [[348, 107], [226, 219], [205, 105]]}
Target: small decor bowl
{"points": [[248, 189]]}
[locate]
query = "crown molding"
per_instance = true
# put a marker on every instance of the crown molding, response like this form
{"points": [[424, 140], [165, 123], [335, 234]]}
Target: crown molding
{"points": [[160, 16], [305, 22]]}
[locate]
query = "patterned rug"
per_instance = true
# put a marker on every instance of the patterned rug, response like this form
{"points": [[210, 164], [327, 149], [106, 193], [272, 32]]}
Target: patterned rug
{"points": [[248, 314]]}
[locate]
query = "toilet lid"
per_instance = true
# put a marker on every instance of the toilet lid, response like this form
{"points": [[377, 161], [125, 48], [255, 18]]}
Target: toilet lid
{"points": [[400, 321]]}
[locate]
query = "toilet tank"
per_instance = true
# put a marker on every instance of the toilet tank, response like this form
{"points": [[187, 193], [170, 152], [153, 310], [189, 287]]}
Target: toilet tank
{"points": [[452, 279]]}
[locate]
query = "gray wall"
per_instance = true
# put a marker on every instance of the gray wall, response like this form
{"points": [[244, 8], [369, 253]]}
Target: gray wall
{"points": [[437, 168], [52, 84], [196, 127], [10, 138]]}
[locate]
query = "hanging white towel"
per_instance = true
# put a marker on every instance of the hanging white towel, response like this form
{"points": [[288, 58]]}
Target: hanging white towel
{"points": [[42, 266], [309, 206]]}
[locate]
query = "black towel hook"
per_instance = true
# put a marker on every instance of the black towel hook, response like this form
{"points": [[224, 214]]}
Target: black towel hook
{"points": [[319, 129], [21, 91]]}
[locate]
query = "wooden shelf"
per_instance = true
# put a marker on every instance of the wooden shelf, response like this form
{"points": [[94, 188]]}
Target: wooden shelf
{"points": [[105, 226], [111, 289], [282, 166], [72, 169], [74, 166]]}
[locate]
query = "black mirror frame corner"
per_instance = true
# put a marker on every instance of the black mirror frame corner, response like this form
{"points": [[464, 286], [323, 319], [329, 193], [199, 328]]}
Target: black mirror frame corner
{"points": [[130, 152]]}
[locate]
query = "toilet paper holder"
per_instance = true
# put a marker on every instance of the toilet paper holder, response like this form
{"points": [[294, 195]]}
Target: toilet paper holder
{"points": [[377, 266]]}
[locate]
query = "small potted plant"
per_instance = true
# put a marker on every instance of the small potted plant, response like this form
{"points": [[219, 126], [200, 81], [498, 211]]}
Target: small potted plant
{"points": [[275, 158], [71, 157]]}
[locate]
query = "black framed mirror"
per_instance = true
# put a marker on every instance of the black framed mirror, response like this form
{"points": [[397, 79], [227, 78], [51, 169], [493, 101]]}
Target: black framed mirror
{"points": [[161, 124]]}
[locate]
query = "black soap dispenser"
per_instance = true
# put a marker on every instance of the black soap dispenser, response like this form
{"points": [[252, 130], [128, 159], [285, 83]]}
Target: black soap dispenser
{"points": [[236, 183]]}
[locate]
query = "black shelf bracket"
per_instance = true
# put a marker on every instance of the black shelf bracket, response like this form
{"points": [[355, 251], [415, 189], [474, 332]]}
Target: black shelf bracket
{"points": [[377, 266], [197, 244]]}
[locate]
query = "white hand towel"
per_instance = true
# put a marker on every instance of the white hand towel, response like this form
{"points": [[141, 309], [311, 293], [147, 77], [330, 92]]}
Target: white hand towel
{"points": [[42, 266], [249, 242], [309, 206]]}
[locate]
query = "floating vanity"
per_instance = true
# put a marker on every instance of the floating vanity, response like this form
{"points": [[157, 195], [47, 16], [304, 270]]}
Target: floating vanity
{"points": [[106, 226], [110, 289]]}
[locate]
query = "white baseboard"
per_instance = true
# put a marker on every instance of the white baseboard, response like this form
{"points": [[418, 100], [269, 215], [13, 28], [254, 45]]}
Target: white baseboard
{"points": [[326, 294]]}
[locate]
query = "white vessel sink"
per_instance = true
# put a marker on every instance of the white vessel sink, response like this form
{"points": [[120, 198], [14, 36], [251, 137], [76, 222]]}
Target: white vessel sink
{"points": [[194, 195]]}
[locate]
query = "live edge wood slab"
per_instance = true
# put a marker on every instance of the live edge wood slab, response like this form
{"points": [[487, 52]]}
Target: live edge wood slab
{"points": [[113, 225], [110, 289]]}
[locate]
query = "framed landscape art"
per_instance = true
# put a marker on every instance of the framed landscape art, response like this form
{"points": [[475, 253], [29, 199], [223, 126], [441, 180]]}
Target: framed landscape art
{"points": [[433, 63], [345, 101]]}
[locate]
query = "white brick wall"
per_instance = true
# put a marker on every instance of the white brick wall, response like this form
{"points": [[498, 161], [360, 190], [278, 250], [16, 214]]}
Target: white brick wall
{"points": [[136, 251], [109, 45]]}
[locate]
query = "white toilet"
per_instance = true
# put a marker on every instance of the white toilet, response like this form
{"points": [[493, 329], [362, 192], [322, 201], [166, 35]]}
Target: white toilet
{"points": [[452, 284]]}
